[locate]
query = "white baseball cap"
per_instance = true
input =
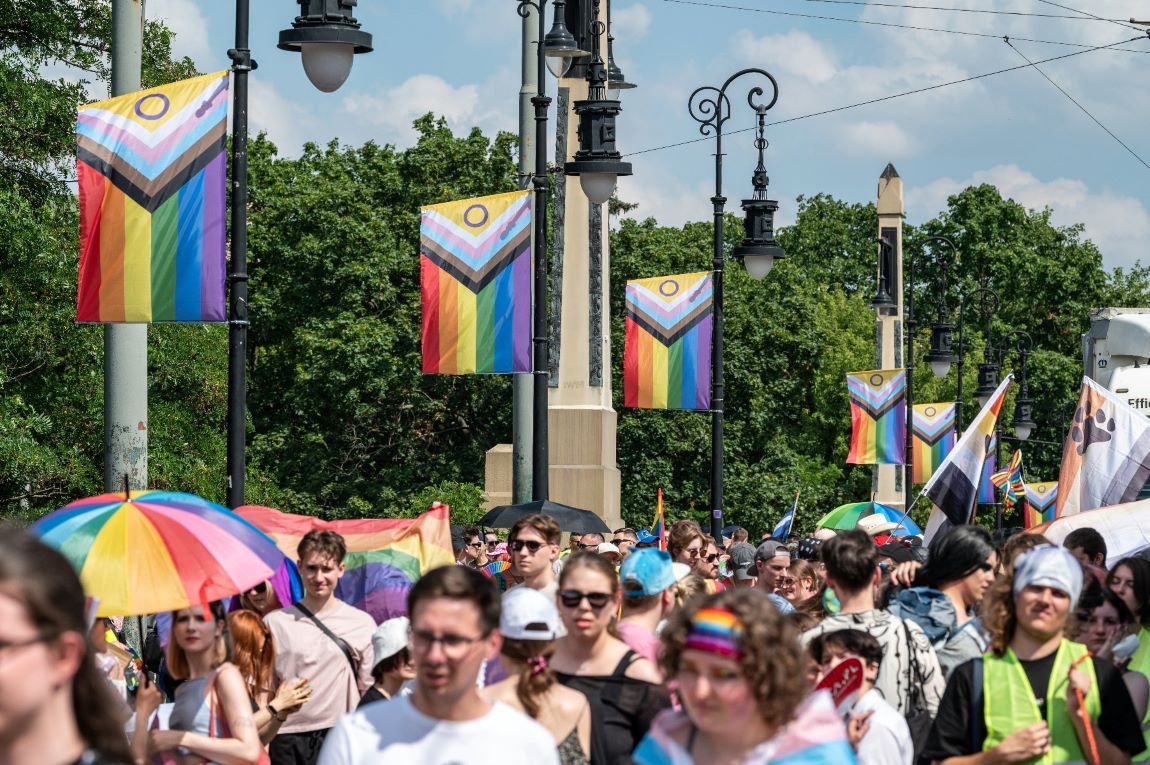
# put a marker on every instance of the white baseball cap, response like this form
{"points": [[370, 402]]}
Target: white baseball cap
{"points": [[528, 615], [389, 638]]}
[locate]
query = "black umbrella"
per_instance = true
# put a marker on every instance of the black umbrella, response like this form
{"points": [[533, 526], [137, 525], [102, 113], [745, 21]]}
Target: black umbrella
{"points": [[569, 518]]}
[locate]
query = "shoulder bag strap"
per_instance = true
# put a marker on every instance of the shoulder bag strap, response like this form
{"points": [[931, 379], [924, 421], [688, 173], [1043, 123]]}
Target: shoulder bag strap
{"points": [[340, 642]]}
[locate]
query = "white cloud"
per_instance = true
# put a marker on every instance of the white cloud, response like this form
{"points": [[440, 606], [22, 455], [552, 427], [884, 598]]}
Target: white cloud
{"points": [[387, 117], [663, 196], [630, 24], [1119, 225], [190, 26], [888, 139], [288, 123], [791, 55]]}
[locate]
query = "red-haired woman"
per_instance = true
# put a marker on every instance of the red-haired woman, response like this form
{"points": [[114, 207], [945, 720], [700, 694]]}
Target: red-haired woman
{"points": [[255, 657]]}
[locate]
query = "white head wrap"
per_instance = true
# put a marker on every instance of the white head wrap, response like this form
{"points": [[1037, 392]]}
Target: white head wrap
{"points": [[1048, 566]]}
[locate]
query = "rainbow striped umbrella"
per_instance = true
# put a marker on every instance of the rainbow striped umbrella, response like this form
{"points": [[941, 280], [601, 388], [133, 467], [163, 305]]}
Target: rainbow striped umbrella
{"points": [[152, 551]]}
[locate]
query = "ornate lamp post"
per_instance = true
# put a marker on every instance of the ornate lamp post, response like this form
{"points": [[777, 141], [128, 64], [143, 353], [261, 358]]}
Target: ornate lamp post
{"points": [[710, 107], [327, 36]]}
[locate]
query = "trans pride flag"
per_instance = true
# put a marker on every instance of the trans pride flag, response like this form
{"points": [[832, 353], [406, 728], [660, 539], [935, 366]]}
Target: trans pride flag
{"points": [[934, 437], [384, 555], [151, 173], [878, 417], [667, 357], [475, 277]]}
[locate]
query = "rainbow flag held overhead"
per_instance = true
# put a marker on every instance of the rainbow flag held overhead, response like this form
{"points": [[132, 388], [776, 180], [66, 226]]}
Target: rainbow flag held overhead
{"points": [[475, 277], [878, 417], [151, 173], [1009, 481], [385, 556], [934, 436], [1041, 499], [667, 356]]}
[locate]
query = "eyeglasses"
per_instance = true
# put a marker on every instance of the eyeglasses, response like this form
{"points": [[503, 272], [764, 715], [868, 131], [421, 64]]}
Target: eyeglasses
{"points": [[8, 645], [453, 645], [475, 544], [591, 547], [693, 552], [531, 544], [260, 588], [492, 542], [787, 581], [572, 598], [712, 558], [621, 542]]}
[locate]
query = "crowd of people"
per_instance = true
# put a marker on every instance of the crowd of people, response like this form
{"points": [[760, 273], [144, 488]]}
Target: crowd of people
{"points": [[841, 647]]}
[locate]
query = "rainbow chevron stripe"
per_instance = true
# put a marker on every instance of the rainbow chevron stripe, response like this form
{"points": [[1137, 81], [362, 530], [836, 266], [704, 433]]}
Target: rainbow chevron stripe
{"points": [[667, 357], [475, 275], [878, 417], [715, 630], [385, 556], [151, 175], [934, 437], [1041, 499]]}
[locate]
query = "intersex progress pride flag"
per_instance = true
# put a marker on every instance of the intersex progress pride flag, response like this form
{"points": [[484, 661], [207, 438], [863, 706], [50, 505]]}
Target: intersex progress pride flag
{"points": [[667, 357], [152, 179], [934, 437], [475, 276], [878, 417], [1041, 499]]}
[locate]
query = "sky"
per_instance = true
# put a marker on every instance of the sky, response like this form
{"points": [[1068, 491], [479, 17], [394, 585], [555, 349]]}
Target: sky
{"points": [[1015, 130]]}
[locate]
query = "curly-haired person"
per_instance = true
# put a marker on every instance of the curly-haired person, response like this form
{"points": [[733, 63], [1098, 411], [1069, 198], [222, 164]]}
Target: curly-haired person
{"points": [[738, 668]]}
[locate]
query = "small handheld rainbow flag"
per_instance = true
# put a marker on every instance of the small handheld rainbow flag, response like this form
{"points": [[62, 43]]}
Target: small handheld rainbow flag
{"points": [[1009, 480], [659, 525], [151, 175], [878, 417], [475, 277], [385, 556], [934, 437], [667, 356]]}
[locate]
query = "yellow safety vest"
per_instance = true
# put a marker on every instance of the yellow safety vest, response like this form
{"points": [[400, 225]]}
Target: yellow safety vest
{"points": [[1140, 662], [1009, 703]]}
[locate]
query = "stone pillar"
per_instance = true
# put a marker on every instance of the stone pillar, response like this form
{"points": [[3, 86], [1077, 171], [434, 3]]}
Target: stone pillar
{"points": [[888, 479]]}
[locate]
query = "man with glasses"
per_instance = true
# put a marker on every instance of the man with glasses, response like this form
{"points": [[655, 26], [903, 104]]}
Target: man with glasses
{"points": [[454, 627], [707, 564], [625, 540], [590, 542], [472, 553], [534, 545]]}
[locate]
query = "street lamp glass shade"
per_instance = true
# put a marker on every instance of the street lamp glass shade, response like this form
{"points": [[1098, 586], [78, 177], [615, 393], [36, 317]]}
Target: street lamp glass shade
{"points": [[940, 368], [327, 64], [559, 65], [598, 186], [1022, 430], [758, 266]]}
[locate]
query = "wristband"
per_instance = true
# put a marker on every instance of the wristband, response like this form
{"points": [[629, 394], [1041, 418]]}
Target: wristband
{"points": [[276, 713]]}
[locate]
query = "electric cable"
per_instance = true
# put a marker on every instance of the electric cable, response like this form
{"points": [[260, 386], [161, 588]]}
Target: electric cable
{"points": [[951, 9]]}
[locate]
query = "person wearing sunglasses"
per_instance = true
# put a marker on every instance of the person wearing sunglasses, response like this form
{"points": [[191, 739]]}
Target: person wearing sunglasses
{"points": [[262, 599], [624, 688], [625, 540], [686, 543], [948, 590], [534, 545], [455, 613]]}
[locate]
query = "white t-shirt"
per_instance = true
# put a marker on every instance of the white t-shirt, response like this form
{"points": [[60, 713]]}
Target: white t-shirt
{"points": [[887, 740], [396, 733]]}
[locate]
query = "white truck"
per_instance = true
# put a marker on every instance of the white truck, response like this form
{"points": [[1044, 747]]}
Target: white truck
{"points": [[1116, 353]]}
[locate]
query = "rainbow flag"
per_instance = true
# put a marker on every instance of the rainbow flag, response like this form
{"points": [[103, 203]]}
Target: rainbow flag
{"points": [[659, 525], [878, 417], [475, 276], [934, 437], [667, 356], [1009, 480], [151, 173], [1041, 499], [989, 468], [384, 555]]}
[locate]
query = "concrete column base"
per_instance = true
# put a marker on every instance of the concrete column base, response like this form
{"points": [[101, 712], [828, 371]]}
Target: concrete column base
{"points": [[582, 456]]}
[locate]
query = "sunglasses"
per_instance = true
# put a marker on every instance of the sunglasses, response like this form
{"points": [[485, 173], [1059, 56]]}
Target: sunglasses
{"points": [[693, 552], [531, 544], [492, 542], [260, 588], [572, 598], [712, 558], [475, 544], [591, 547]]}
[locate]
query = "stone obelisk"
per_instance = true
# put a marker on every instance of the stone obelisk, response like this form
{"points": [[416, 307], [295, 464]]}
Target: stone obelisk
{"points": [[888, 479]]}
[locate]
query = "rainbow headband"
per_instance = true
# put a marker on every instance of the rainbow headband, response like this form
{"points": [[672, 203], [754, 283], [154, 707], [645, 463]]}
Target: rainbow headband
{"points": [[716, 630]]}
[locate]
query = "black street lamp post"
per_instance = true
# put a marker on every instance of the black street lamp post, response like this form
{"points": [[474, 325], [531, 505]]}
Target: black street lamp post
{"points": [[327, 36], [710, 107], [988, 371]]}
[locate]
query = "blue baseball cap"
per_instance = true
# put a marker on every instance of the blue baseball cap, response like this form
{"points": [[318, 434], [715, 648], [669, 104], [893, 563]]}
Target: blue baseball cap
{"points": [[646, 572], [645, 537]]}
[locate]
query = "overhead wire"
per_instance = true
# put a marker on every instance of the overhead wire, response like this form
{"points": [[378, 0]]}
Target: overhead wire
{"points": [[1075, 102], [952, 9], [887, 24], [868, 102], [1119, 22]]}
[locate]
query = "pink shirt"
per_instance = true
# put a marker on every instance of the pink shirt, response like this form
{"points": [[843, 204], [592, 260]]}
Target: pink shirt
{"points": [[303, 650], [640, 640]]}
